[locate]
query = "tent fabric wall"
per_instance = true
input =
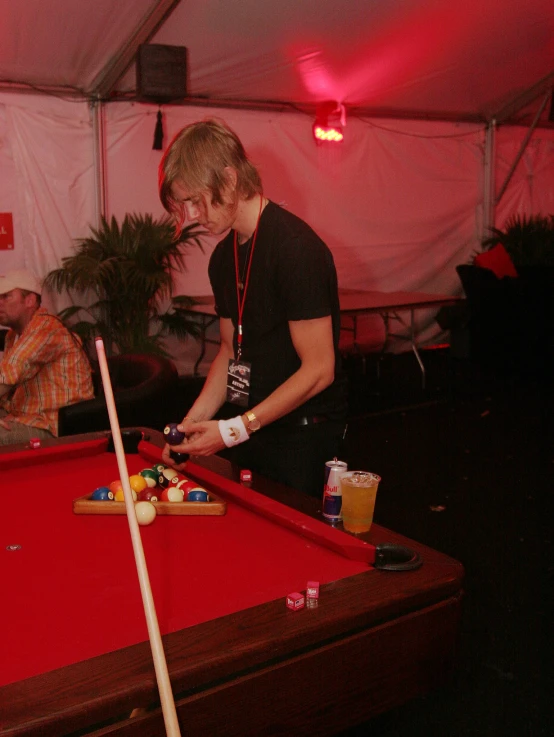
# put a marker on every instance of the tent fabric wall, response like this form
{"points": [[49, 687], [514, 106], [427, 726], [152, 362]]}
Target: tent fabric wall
{"points": [[48, 179], [399, 202], [531, 190]]}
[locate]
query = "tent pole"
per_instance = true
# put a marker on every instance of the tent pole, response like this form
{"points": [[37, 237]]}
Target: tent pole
{"points": [[97, 112], [523, 147], [489, 180], [104, 83]]}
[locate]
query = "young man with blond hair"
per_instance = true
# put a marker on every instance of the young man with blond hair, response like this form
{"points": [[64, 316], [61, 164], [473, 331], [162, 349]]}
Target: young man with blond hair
{"points": [[275, 287]]}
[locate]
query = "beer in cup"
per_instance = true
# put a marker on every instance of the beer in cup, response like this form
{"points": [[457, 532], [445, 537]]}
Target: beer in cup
{"points": [[359, 489]]}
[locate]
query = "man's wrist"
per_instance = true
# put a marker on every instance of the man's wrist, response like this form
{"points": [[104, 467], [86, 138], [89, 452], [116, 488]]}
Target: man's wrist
{"points": [[233, 431]]}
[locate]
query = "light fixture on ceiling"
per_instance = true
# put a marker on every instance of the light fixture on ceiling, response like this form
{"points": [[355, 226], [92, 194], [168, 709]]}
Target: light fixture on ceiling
{"points": [[329, 122]]}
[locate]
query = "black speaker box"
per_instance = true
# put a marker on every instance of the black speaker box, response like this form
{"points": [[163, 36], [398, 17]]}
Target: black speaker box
{"points": [[161, 73]]}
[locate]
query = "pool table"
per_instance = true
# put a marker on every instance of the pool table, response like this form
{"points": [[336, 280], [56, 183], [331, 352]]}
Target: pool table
{"points": [[76, 657]]}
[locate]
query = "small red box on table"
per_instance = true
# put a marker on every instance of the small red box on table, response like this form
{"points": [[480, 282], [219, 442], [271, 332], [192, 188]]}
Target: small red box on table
{"points": [[312, 590], [295, 601], [245, 475], [34, 443]]}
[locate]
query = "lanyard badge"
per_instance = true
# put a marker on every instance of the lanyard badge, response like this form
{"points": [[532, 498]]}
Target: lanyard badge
{"points": [[238, 382], [238, 371], [242, 288]]}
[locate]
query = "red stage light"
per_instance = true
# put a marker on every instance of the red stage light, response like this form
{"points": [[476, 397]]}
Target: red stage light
{"points": [[330, 117], [327, 133]]}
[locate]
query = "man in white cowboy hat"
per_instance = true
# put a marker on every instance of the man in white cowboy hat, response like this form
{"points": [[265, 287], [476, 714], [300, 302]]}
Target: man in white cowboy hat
{"points": [[44, 366]]}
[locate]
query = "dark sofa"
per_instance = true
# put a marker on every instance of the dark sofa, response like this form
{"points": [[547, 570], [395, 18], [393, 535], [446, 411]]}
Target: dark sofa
{"points": [[511, 319], [144, 387]]}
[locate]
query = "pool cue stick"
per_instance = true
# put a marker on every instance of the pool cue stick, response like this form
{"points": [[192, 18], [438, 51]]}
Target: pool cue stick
{"points": [[160, 665]]}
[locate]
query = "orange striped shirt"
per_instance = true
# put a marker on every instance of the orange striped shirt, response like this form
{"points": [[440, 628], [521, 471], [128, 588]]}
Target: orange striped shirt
{"points": [[49, 370]]}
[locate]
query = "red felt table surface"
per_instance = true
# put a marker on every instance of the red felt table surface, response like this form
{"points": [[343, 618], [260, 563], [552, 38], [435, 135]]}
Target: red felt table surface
{"points": [[71, 591]]}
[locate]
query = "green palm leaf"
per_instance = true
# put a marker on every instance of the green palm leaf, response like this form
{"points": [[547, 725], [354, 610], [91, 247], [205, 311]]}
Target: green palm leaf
{"points": [[124, 274], [528, 239]]}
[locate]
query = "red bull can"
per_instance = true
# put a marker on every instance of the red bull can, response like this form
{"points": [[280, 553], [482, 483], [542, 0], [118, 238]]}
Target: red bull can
{"points": [[332, 493]]}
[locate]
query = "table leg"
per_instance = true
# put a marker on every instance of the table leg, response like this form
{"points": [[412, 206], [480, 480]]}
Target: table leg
{"points": [[354, 330], [205, 325], [414, 347], [411, 339]]}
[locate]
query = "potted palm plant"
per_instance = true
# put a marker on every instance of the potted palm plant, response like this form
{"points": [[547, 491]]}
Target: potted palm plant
{"points": [[124, 274], [512, 318], [528, 240]]}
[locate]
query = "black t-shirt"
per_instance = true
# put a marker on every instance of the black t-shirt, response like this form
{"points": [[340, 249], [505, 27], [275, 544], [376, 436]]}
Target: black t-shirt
{"points": [[292, 277]]}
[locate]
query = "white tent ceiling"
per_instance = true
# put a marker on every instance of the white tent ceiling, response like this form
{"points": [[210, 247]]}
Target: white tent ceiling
{"points": [[400, 202], [474, 60]]}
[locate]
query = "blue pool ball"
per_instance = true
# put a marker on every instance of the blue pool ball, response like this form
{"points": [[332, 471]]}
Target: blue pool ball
{"points": [[102, 494], [173, 436], [196, 495]]}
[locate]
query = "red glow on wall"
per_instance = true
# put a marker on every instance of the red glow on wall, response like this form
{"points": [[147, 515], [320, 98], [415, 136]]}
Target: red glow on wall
{"points": [[411, 49]]}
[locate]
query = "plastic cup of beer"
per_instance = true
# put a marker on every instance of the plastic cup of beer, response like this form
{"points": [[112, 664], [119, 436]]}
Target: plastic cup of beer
{"points": [[359, 489]]}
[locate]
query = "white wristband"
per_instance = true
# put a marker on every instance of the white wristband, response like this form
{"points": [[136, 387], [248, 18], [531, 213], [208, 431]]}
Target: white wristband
{"points": [[233, 431]]}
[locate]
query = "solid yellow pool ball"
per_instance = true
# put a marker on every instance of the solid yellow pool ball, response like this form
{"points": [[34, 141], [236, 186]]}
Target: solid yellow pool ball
{"points": [[120, 496], [137, 482]]}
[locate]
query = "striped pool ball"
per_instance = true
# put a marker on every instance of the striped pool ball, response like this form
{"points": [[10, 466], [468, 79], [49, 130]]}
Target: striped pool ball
{"points": [[168, 477], [172, 494], [150, 476], [186, 485]]}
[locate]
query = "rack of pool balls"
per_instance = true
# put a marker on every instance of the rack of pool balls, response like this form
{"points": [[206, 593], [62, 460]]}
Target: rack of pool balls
{"points": [[156, 490]]}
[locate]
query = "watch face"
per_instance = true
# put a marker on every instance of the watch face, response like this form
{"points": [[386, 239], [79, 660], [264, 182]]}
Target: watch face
{"points": [[253, 422]]}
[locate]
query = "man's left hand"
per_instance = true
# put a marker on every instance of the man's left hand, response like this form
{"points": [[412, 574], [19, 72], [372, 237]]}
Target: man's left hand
{"points": [[205, 441]]}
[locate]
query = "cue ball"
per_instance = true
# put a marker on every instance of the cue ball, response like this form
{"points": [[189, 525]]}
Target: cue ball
{"points": [[173, 436], [146, 513]]}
